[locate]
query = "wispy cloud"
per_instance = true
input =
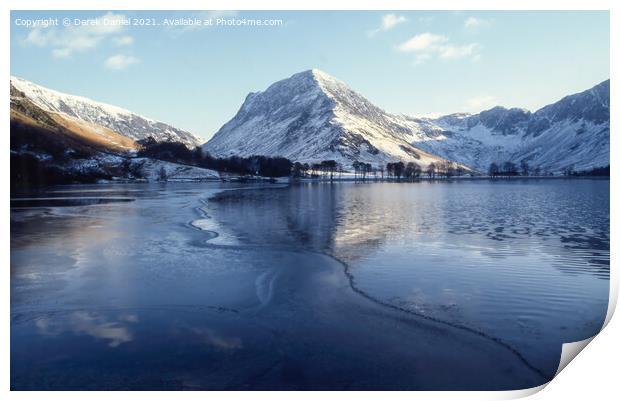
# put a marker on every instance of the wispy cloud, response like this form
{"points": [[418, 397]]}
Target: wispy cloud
{"points": [[475, 22], [428, 45], [66, 41], [454, 51], [120, 62], [422, 42], [388, 21], [123, 40]]}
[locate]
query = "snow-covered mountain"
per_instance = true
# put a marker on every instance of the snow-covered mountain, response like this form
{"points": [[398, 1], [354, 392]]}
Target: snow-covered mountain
{"points": [[312, 116], [114, 118], [573, 132]]}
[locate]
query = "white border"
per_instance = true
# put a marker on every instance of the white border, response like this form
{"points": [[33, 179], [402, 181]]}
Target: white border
{"points": [[593, 375]]}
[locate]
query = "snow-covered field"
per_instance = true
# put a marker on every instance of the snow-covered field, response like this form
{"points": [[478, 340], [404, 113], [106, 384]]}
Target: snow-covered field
{"points": [[175, 171]]}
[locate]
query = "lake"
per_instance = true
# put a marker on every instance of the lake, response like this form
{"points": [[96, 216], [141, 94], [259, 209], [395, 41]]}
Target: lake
{"points": [[470, 284]]}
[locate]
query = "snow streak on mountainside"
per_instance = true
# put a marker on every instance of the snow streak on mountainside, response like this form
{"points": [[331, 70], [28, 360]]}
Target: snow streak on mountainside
{"points": [[310, 117], [114, 118]]}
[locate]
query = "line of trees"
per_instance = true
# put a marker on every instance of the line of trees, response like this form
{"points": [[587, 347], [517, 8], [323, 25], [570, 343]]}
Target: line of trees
{"points": [[445, 169], [362, 169], [177, 152], [510, 169], [326, 168], [593, 172], [412, 171], [409, 171], [281, 167]]}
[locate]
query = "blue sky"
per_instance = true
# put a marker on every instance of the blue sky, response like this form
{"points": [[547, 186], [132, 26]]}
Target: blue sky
{"points": [[405, 62]]}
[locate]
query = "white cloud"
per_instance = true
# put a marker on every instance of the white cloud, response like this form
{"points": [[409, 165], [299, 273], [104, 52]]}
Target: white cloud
{"points": [[37, 37], [120, 62], [108, 23], [481, 102], [65, 41], [428, 45], [123, 40], [422, 42], [474, 22], [454, 52], [61, 53], [388, 21]]}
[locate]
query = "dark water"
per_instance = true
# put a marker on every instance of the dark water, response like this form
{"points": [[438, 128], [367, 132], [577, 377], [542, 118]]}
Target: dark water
{"points": [[466, 285]]}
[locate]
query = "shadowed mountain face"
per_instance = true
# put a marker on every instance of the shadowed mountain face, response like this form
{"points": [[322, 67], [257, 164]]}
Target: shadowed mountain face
{"points": [[591, 105], [38, 130], [123, 122], [55, 147], [573, 132], [312, 116]]}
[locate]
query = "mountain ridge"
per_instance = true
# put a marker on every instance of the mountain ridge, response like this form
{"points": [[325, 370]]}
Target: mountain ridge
{"points": [[311, 116], [117, 119]]}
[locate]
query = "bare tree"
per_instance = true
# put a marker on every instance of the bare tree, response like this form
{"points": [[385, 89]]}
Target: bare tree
{"points": [[382, 171], [162, 175], [509, 169], [399, 169], [329, 166], [356, 168], [431, 170], [412, 171], [525, 168]]}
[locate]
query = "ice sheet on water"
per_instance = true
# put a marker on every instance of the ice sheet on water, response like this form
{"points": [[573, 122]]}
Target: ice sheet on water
{"points": [[220, 236]]}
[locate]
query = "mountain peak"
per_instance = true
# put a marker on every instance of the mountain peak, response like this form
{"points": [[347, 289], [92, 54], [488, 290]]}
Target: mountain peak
{"points": [[321, 75], [314, 73], [312, 116], [315, 76]]}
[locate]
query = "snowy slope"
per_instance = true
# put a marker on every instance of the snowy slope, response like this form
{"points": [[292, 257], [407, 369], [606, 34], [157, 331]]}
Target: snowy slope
{"points": [[174, 171], [310, 117], [571, 132], [114, 118]]}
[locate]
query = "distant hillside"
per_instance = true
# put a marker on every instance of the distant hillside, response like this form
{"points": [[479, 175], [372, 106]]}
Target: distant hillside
{"points": [[312, 116], [121, 121]]}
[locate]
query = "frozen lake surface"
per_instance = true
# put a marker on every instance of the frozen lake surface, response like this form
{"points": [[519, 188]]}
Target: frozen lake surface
{"points": [[462, 285]]}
